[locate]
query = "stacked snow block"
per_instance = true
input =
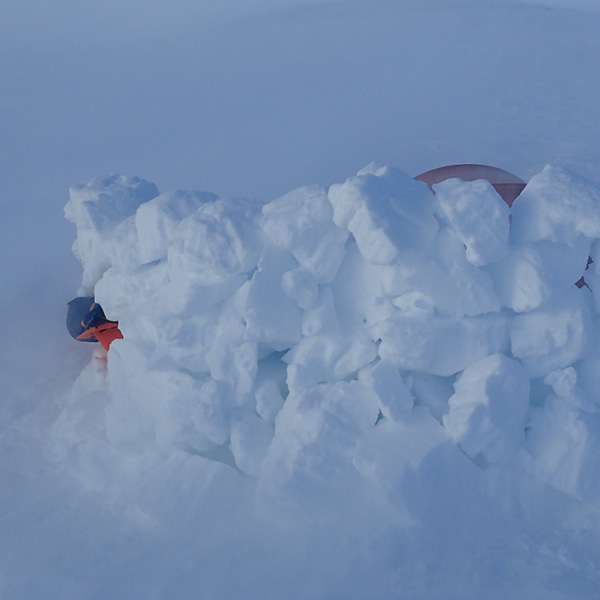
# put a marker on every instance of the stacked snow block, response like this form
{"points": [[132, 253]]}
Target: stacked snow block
{"points": [[312, 335]]}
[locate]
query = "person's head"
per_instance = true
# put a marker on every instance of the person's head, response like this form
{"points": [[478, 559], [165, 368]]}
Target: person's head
{"points": [[78, 311]]}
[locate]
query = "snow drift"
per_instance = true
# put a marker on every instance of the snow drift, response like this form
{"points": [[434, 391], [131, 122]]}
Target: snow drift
{"points": [[369, 338]]}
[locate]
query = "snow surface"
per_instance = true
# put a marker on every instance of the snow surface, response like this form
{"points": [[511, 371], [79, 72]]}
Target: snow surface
{"points": [[353, 389]]}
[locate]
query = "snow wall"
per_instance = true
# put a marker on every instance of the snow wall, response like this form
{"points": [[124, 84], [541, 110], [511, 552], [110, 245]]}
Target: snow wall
{"points": [[427, 357]]}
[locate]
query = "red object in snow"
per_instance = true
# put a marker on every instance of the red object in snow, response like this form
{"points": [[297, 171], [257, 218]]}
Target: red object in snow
{"points": [[106, 333], [509, 186]]}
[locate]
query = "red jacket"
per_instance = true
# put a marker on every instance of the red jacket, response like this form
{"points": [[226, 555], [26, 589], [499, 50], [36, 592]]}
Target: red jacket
{"points": [[105, 333]]}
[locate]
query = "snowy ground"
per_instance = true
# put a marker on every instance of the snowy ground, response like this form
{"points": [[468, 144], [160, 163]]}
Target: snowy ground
{"points": [[254, 102]]}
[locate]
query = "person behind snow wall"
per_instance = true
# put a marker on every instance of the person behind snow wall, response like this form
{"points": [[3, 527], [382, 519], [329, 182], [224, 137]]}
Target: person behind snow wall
{"points": [[87, 322]]}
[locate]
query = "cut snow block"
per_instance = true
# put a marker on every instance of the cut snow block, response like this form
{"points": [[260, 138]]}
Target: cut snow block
{"points": [[456, 287], [521, 279], [322, 316], [394, 398], [327, 358], [387, 212], [299, 285], [477, 214], [301, 223], [268, 400], [233, 360], [157, 220], [122, 293], [555, 335], [102, 203], [565, 384], [97, 208], [533, 272], [439, 345], [565, 444], [488, 409], [250, 439], [221, 239], [556, 206], [272, 318]]}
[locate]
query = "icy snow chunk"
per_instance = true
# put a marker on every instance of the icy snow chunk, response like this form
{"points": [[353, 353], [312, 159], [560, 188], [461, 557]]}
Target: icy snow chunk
{"points": [[250, 439], [387, 212], [122, 293], [456, 287], [268, 400], [477, 213], [272, 318], [322, 316], [157, 220], [556, 206], [564, 383], [232, 359], [221, 239], [521, 280], [555, 335], [565, 444], [186, 296], [97, 208], [301, 223], [102, 203], [325, 358], [531, 273], [431, 391], [489, 407], [439, 345], [357, 292], [123, 248], [299, 285], [395, 399], [415, 304]]}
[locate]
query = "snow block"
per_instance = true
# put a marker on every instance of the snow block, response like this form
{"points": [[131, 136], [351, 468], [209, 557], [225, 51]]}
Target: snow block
{"points": [[268, 400], [477, 214], [220, 240], [488, 409], [456, 287], [97, 208], [395, 399], [387, 212], [556, 206], [301, 223], [250, 439], [532, 273], [564, 444], [440, 345], [272, 318], [326, 358], [555, 335], [156, 221]]}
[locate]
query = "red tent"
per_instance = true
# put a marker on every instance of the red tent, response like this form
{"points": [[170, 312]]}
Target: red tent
{"points": [[509, 186]]}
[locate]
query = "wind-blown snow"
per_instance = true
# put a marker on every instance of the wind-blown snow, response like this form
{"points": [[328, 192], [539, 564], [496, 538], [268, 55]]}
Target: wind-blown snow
{"points": [[352, 348]]}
